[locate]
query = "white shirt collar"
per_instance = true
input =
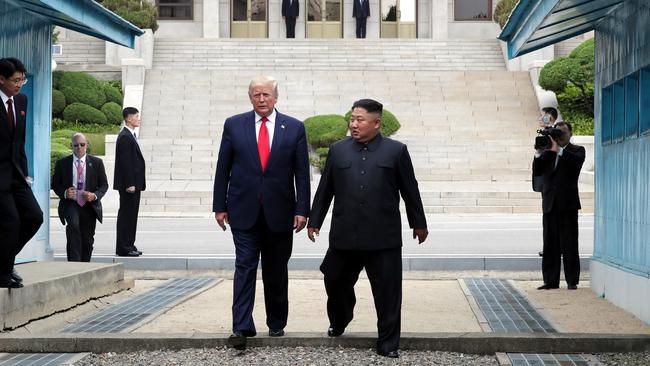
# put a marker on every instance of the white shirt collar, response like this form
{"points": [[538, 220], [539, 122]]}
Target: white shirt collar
{"points": [[83, 158], [270, 118], [129, 128], [4, 97]]}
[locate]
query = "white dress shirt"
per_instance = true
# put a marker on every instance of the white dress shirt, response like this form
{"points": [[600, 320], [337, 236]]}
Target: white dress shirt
{"points": [[5, 98], [270, 125]]}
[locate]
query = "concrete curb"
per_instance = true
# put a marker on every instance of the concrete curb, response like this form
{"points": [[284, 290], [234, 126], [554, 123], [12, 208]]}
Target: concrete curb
{"points": [[476, 343], [419, 263]]}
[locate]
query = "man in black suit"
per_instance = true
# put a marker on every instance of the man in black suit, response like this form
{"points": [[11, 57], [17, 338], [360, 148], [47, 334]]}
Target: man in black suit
{"points": [[261, 188], [559, 166], [20, 215], [129, 180], [365, 174], [290, 10], [361, 12], [80, 182]]}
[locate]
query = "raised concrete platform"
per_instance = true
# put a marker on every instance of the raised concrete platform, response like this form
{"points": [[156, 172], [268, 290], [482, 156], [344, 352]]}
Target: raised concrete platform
{"points": [[52, 287]]}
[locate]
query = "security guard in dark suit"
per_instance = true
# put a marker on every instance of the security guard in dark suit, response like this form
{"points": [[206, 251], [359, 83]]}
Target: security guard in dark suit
{"points": [[559, 166], [366, 174]]}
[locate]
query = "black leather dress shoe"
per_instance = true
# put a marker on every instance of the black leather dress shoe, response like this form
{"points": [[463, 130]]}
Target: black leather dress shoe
{"points": [[15, 276], [7, 282], [541, 254], [276, 332], [334, 332], [547, 287], [237, 341], [572, 287], [132, 253], [391, 354], [139, 252]]}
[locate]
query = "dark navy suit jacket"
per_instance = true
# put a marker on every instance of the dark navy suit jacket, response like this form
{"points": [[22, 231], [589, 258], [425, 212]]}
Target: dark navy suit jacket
{"points": [[242, 189], [12, 146], [360, 10]]}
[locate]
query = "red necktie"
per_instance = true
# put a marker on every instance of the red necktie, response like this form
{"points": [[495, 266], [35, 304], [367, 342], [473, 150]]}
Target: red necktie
{"points": [[263, 146], [10, 115]]}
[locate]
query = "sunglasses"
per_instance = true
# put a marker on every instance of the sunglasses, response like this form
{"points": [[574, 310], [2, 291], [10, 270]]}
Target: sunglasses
{"points": [[83, 144]]}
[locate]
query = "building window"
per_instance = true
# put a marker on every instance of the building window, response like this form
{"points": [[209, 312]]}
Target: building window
{"points": [[175, 9], [644, 101], [632, 106], [606, 115], [618, 123], [473, 10]]}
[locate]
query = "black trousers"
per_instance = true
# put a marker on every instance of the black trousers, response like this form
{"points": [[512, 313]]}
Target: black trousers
{"points": [[80, 231], [291, 26], [384, 268], [127, 222], [361, 27], [561, 246], [275, 251], [20, 219]]}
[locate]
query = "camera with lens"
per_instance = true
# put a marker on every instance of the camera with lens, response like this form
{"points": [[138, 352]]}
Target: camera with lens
{"points": [[543, 141]]}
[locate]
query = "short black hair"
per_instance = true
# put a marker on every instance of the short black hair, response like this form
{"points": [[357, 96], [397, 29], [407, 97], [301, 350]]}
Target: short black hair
{"points": [[128, 111], [550, 110], [564, 123], [370, 105], [10, 65]]}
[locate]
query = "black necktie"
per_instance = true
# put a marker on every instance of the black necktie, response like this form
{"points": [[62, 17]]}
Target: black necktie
{"points": [[10, 115]]}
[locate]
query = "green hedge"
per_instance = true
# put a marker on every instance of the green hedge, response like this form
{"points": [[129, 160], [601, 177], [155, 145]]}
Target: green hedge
{"points": [[60, 124], [113, 113], [582, 124], [112, 94], [140, 13], [502, 11], [79, 112], [389, 123], [323, 130], [58, 102], [79, 87], [57, 152], [56, 79]]}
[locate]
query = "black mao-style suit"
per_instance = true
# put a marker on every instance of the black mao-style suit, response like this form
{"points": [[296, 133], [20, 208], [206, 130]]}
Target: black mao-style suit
{"points": [[290, 11], [80, 221], [361, 12], [20, 214], [129, 171], [366, 181], [560, 202]]}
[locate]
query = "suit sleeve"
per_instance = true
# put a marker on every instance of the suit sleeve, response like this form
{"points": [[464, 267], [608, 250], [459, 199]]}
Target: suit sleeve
{"points": [[102, 181], [410, 192], [301, 164], [57, 180], [222, 174], [324, 194]]}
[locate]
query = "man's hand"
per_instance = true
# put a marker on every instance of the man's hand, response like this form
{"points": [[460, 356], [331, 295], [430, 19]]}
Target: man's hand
{"points": [[311, 231], [71, 193], [89, 196], [421, 234], [222, 219], [130, 189], [554, 146], [299, 223]]}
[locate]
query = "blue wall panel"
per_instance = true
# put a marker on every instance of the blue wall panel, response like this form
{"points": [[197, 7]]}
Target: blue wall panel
{"points": [[622, 197], [28, 38]]}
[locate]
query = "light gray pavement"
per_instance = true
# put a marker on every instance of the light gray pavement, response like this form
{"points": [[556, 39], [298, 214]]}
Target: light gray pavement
{"points": [[450, 235]]}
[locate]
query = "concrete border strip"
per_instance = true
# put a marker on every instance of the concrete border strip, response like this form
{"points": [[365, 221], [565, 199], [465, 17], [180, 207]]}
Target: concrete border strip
{"points": [[475, 342], [503, 359], [480, 317]]}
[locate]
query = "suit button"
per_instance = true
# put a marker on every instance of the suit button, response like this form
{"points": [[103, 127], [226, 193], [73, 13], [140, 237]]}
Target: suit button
{"points": [[363, 172], [362, 187], [364, 158]]}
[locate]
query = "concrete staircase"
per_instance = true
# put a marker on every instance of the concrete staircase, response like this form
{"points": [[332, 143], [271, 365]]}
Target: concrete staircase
{"points": [[470, 132]]}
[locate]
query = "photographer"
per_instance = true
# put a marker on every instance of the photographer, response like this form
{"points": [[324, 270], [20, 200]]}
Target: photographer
{"points": [[556, 168]]}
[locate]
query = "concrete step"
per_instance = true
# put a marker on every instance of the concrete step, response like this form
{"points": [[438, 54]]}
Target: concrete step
{"points": [[51, 287]]}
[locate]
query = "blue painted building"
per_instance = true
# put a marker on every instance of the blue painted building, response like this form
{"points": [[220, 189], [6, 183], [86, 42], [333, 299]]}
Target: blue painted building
{"points": [[620, 268], [25, 33]]}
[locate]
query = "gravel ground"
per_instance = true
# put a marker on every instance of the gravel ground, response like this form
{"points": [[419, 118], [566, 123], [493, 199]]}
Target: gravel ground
{"points": [[625, 359], [294, 356]]}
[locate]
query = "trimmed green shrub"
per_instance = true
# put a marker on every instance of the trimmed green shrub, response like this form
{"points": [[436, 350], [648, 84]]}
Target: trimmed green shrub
{"points": [[321, 158], [58, 102], [56, 79], [502, 11], [389, 123], [142, 14], [58, 151], [112, 94], [113, 113], [323, 130], [582, 124], [79, 112], [79, 87], [59, 124]]}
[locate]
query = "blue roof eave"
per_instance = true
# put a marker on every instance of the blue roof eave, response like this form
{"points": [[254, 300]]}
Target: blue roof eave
{"points": [[87, 17]]}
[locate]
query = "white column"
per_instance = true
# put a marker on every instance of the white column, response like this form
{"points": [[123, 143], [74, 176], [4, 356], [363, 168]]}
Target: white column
{"points": [[440, 18], [211, 19]]}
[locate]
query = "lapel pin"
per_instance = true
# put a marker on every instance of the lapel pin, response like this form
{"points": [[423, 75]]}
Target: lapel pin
{"points": [[22, 113], [282, 126]]}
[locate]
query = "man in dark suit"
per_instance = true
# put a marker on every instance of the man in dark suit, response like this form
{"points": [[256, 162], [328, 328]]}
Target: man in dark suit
{"points": [[262, 153], [20, 215], [361, 12], [560, 166], [290, 11], [365, 174], [80, 182], [129, 181]]}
